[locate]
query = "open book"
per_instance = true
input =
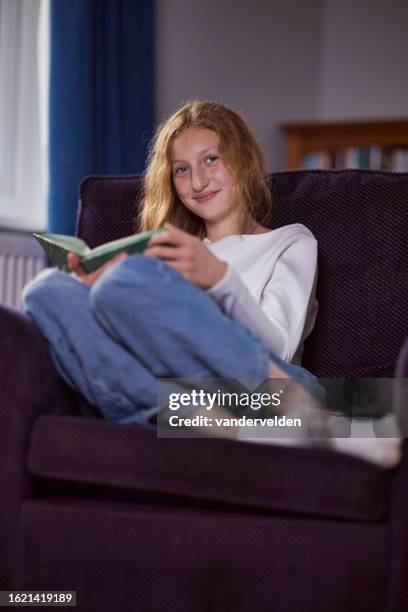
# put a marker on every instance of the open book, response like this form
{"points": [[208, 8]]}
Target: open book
{"points": [[57, 247]]}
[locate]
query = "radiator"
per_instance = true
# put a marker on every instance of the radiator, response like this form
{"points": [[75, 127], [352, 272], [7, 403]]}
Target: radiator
{"points": [[21, 258]]}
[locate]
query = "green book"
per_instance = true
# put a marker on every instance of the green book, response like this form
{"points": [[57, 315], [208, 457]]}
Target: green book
{"points": [[57, 247]]}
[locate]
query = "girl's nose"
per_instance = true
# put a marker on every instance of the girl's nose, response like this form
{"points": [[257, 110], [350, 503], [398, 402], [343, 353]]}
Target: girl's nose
{"points": [[199, 179]]}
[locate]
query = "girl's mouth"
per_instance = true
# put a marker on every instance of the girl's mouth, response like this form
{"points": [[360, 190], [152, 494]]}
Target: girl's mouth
{"points": [[206, 196]]}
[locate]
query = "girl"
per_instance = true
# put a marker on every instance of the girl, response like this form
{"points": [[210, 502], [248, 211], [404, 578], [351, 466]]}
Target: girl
{"points": [[216, 296]]}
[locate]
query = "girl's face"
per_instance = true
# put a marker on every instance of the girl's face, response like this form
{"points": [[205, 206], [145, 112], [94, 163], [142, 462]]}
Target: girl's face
{"points": [[202, 181]]}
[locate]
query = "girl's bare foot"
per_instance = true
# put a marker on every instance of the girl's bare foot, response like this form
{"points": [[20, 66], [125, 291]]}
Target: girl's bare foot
{"points": [[384, 452]]}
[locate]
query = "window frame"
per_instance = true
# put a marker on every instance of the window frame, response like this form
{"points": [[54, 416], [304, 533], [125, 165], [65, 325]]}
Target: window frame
{"points": [[22, 189]]}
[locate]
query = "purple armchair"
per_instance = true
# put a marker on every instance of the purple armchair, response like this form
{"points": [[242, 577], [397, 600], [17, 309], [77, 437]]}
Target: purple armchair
{"points": [[130, 521]]}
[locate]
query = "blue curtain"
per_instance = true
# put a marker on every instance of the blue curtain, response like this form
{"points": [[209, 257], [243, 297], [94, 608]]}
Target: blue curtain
{"points": [[101, 96]]}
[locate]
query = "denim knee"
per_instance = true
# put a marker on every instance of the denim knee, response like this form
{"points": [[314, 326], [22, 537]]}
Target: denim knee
{"points": [[106, 290], [50, 290], [129, 274], [36, 285]]}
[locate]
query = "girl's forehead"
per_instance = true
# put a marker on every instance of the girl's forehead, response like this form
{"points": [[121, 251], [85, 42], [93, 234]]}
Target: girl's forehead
{"points": [[195, 139]]}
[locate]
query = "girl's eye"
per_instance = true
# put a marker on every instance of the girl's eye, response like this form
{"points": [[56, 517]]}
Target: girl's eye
{"points": [[212, 158], [180, 170]]}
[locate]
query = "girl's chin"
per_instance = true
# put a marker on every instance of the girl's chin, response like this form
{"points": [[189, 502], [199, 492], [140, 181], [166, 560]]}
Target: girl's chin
{"points": [[204, 212], [209, 213], [207, 216]]}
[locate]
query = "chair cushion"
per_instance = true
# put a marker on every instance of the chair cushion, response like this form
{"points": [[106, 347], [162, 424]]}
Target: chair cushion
{"points": [[78, 455]]}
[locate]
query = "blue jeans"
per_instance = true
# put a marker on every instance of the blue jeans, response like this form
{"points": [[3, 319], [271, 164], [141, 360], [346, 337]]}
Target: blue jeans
{"points": [[141, 320]]}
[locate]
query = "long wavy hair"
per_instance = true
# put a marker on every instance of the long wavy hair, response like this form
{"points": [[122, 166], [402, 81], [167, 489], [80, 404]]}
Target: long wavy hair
{"points": [[240, 152]]}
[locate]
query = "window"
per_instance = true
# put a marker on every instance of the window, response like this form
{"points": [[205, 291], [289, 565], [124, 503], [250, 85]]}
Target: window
{"points": [[23, 113]]}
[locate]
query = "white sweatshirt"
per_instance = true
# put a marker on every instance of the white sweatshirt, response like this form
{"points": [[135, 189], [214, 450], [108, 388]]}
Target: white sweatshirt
{"points": [[270, 285]]}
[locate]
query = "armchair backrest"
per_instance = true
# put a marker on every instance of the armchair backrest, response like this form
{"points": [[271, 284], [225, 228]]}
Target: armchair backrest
{"points": [[360, 219]]}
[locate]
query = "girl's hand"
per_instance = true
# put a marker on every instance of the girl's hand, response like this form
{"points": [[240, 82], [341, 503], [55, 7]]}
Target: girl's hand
{"points": [[188, 255], [89, 279]]}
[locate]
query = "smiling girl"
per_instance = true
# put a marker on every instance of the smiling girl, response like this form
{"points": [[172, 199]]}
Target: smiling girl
{"points": [[218, 295]]}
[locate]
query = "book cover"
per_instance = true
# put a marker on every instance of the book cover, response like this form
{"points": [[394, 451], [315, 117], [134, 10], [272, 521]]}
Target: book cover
{"points": [[57, 247]]}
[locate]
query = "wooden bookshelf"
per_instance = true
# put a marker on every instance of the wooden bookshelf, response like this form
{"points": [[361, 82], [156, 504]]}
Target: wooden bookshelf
{"points": [[303, 139]]}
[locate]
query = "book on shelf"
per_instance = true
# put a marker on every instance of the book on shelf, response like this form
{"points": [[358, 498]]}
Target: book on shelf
{"points": [[394, 159], [57, 247], [375, 158], [322, 160], [399, 160], [352, 158]]}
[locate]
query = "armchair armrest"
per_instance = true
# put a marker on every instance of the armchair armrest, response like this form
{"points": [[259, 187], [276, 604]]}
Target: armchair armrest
{"points": [[29, 386], [398, 587], [27, 372]]}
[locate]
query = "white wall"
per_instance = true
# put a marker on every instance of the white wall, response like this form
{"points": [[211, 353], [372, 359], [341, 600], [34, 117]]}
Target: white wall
{"points": [[282, 60], [259, 56], [364, 70]]}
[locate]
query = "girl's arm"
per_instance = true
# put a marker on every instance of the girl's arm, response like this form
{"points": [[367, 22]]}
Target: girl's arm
{"points": [[288, 299]]}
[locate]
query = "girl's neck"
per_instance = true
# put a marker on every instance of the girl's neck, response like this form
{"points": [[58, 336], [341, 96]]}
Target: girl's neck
{"points": [[222, 229]]}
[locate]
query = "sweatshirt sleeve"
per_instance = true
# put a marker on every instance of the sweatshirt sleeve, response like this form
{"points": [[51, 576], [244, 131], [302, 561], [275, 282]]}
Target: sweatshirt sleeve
{"points": [[279, 319]]}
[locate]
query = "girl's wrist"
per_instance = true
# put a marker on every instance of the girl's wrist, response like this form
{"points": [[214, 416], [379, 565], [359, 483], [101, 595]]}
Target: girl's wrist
{"points": [[219, 273]]}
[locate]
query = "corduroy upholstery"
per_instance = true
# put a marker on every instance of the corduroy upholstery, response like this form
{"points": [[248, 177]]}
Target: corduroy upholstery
{"points": [[135, 522]]}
